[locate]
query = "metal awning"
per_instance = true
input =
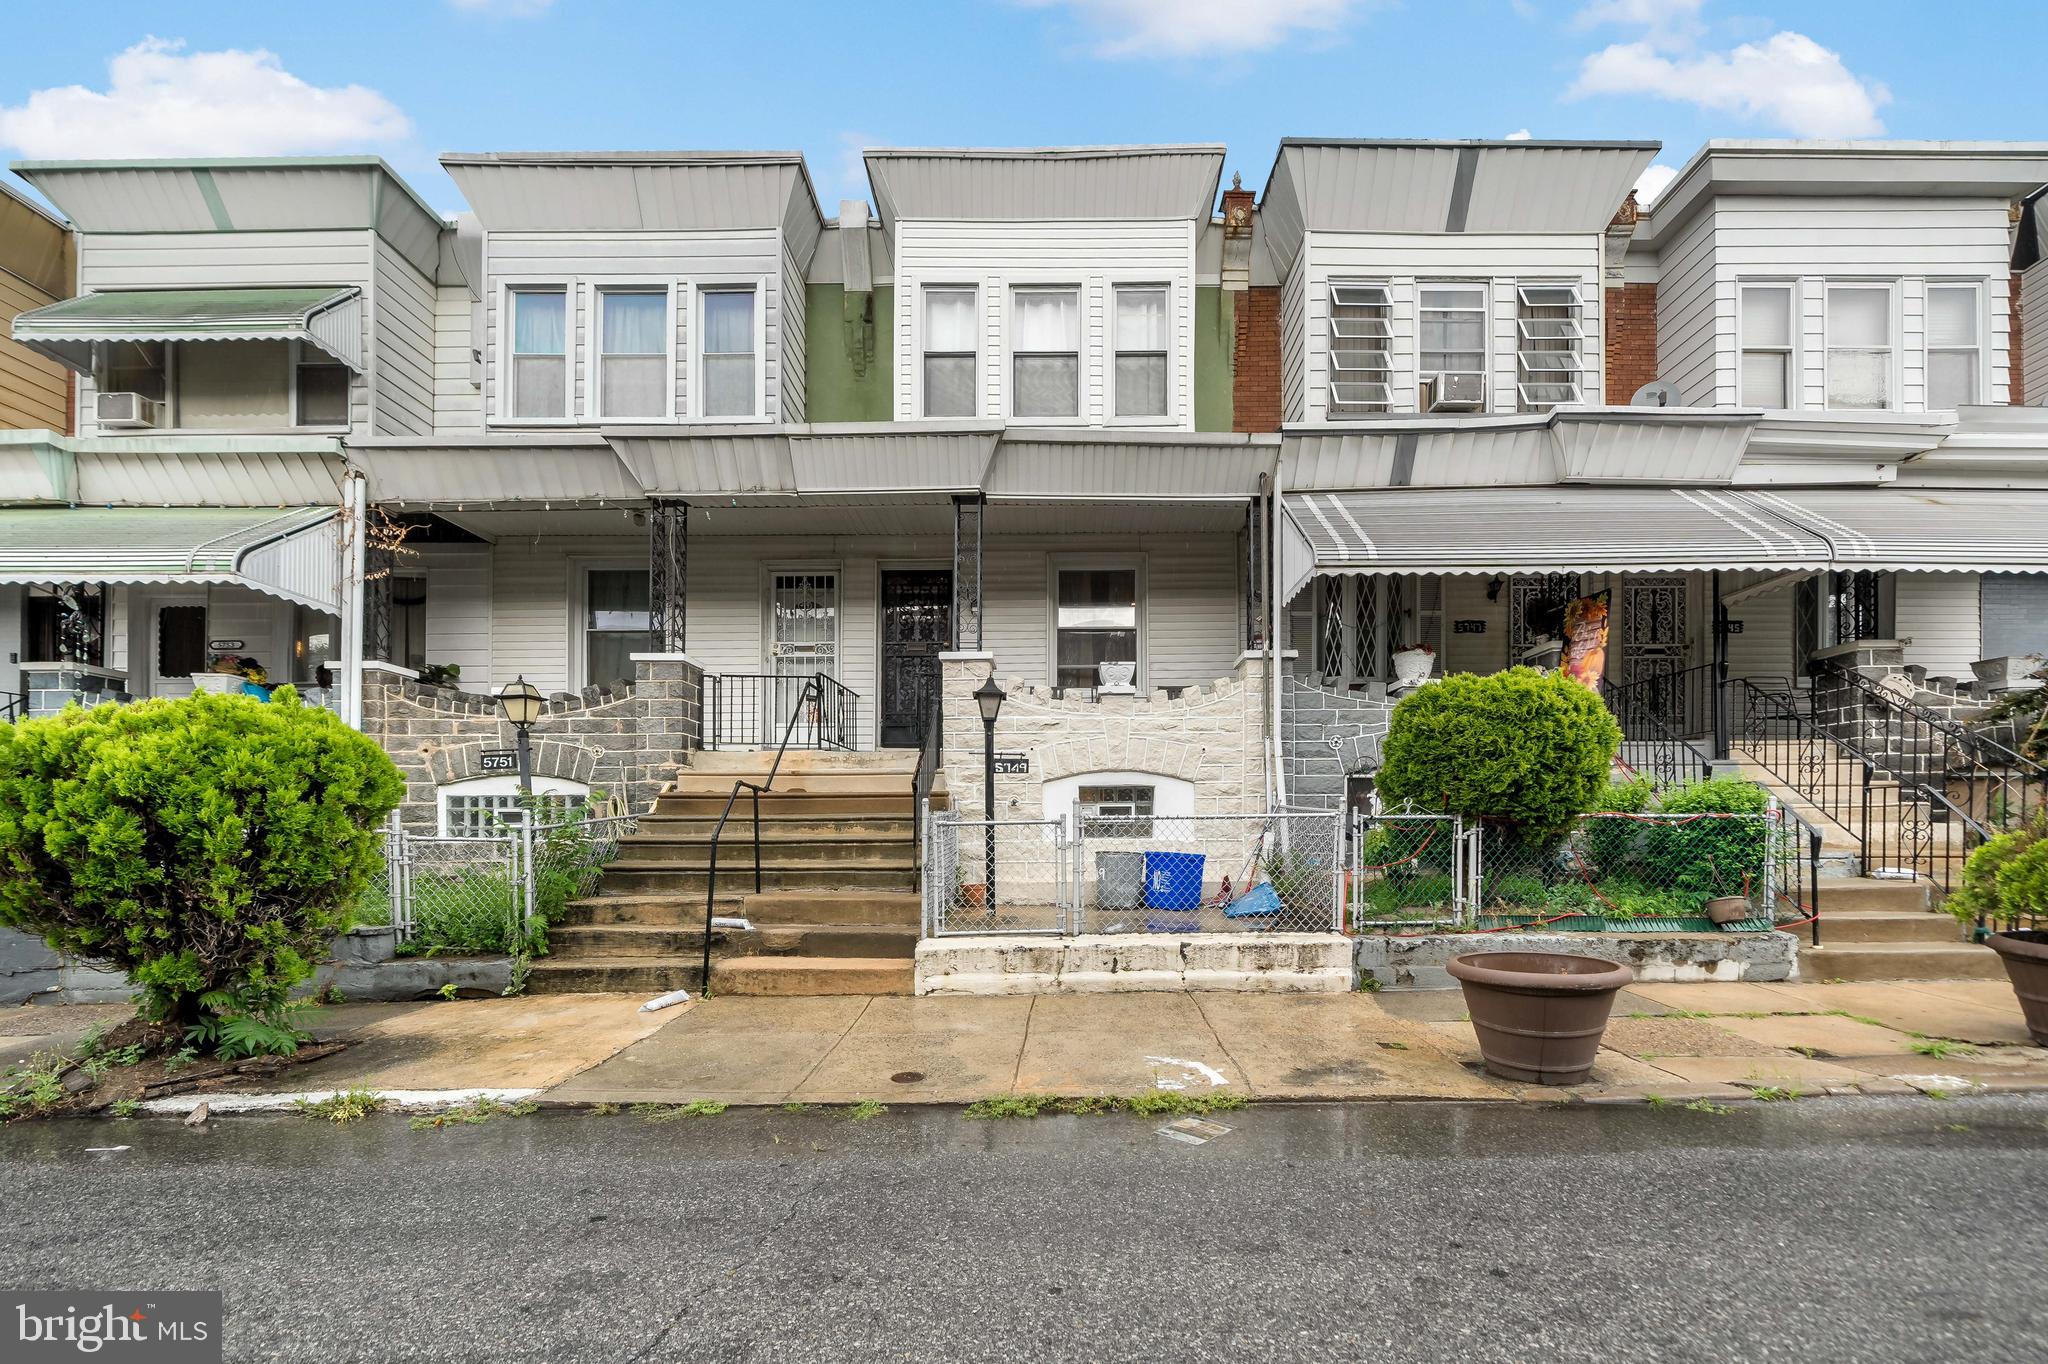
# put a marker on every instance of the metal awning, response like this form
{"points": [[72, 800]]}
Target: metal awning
{"points": [[293, 554], [1953, 530], [327, 318], [1538, 530], [573, 469]]}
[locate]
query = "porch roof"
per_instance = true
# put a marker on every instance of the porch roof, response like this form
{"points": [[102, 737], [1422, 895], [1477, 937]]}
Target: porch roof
{"points": [[329, 319], [294, 554], [1973, 530]]}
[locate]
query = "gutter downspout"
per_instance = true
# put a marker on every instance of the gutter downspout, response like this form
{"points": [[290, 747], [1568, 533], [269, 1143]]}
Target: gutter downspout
{"points": [[1273, 634], [355, 504]]}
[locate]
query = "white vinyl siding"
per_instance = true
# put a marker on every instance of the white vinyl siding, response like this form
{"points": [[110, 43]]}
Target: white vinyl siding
{"points": [[1937, 614], [458, 368], [794, 304], [1493, 266], [402, 309], [997, 258], [2033, 293], [225, 260]]}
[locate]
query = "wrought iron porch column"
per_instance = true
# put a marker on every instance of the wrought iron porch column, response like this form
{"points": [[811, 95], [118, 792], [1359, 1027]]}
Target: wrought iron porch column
{"points": [[1720, 700], [968, 512], [668, 573]]}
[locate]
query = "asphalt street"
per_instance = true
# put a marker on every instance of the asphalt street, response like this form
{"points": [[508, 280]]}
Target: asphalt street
{"points": [[1816, 1231]]}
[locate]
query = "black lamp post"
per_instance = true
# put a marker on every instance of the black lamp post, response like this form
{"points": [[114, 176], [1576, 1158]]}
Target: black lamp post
{"points": [[988, 697], [521, 701]]}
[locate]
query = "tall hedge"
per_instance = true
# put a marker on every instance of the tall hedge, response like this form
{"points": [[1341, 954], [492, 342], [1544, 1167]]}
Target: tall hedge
{"points": [[208, 846], [1524, 748]]}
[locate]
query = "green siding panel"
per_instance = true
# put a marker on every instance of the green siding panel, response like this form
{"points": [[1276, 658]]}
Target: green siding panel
{"points": [[1215, 327], [833, 391]]}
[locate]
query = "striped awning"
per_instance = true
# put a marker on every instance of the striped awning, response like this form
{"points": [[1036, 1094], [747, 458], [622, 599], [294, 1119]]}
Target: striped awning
{"points": [[328, 318], [1959, 530], [294, 554]]}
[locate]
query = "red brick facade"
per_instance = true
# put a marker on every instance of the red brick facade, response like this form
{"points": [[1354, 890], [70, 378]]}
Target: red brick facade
{"points": [[1631, 340], [1255, 392]]}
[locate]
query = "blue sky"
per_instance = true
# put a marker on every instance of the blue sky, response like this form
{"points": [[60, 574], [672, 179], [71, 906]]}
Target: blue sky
{"points": [[408, 79]]}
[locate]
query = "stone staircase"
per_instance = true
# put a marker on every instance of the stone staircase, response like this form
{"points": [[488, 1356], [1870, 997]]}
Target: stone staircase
{"points": [[1874, 929], [838, 909]]}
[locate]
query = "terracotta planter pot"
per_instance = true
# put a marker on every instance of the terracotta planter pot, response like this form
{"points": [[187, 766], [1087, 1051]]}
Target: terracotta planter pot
{"points": [[1730, 909], [2025, 954], [1539, 1015], [974, 895]]}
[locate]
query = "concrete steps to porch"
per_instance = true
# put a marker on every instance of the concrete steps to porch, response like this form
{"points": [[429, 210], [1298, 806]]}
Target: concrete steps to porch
{"points": [[838, 910], [1875, 929]]}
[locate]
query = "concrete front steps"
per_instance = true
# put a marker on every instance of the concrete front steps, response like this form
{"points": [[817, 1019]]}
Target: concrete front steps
{"points": [[838, 910], [1878, 929]]}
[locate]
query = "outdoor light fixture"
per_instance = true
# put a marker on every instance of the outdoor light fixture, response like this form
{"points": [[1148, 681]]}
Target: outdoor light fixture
{"points": [[988, 698], [521, 701]]}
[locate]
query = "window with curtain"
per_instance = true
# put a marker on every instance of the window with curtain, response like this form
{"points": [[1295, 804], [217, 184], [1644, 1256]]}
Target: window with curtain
{"points": [[730, 386], [1767, 346], [1142, 351], [540, 353], [949, 351], [1859, 358], [1954, 347], [1045, 353], [1097, 623], [634, 378], [617, 623]]}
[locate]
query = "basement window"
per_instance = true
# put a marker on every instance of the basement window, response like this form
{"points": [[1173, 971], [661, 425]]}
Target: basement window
{"points": [[482, 806], [1115, 811]]}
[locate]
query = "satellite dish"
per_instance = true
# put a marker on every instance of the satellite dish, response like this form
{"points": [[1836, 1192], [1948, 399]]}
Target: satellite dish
{"points": [[1657, 393]]}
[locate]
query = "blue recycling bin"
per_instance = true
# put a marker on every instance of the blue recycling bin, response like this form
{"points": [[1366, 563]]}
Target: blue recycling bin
{"points": [[1173, 891]]}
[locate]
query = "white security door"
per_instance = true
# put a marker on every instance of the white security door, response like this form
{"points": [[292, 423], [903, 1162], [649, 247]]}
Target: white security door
{"points": [[803, 640]]}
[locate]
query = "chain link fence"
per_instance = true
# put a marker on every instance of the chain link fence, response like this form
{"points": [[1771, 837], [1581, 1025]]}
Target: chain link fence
{"points": [[1281, 871]]}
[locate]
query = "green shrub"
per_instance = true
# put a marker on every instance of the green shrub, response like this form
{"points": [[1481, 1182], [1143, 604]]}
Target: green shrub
{"points": [[1710, 856], [2023, 883], [1612, 845], [208, 846], [1525, 748], [1977, 895]]}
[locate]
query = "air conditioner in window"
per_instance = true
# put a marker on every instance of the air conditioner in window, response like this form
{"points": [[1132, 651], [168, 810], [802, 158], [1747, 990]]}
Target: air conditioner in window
{"points": [[1453, 393], [127, 411]]}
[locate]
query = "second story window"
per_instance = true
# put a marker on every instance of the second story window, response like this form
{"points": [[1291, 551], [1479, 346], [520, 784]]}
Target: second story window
{"points": [[1045, 351], [634, 376], [1954, 347], [728, 386], [949, 352], [1859, 345], [1142, 366], [1452, 347], [1548, 370], [1361, 332], [1766, 346], [322, 396], [540, 354]]}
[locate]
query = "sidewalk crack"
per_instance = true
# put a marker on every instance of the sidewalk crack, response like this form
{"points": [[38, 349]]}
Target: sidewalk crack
{"points": [[866, 1003]]}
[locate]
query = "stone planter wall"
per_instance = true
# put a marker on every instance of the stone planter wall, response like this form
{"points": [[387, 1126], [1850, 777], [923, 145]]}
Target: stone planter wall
{"points": [[1289, 963], [1417, 963]]}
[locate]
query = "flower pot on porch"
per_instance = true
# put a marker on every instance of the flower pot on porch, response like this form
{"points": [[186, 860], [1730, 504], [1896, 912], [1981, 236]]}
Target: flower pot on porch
{"points": [[1730, 909], [974, 896], [1539, 1015], [2025, 954], [1411, 666]]}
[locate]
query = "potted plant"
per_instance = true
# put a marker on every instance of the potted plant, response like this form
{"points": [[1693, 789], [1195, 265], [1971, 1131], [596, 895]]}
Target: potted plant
{"points": [[2004, 882], [1413, 664], [1539, 1015], [1115, 676]]}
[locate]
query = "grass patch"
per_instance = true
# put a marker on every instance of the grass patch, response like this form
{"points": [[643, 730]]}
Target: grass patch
{"points": [[481, 1109], [1708, 1106], [1940, 1049], [351, 1105], [695, 1108], [124, 1108], [1010, 1106], [799, 1108], [1656, 1101], [1772, 1094], [864, 1110], [603, 1110], [1177, 1103]]}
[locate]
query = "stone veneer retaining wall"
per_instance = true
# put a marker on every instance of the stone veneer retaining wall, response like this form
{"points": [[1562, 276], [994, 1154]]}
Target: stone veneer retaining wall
{"points": [[623, 740], [1327, 736], [1212, 736]]}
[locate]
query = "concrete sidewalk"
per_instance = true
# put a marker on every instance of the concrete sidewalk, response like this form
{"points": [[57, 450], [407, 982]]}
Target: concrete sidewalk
{"points": [[1720, 1041]]}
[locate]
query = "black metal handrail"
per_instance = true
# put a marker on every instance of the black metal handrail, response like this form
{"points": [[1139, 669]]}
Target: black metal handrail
{"points": [[813, 687], [931, 742], [743, 710], [13, 705], [1683, 699], [1672, 759], [1918, 746]]}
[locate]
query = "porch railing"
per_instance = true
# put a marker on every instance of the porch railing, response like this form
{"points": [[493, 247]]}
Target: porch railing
{"points": [[747, 710], [13, 705], [931, 740], [1653, 745]]}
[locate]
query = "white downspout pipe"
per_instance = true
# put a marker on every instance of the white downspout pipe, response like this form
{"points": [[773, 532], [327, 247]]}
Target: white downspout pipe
{"points": [[357, 517], [1274, 667]]}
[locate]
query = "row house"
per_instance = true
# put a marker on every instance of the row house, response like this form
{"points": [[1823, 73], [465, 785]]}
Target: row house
{"points": [[1206, 476]]}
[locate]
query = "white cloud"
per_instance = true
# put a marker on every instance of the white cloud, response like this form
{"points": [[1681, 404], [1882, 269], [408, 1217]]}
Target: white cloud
{"points": [[1518, 135], [1787, 80], [517, 9], [163, 101], [1654, 180], [1672, 18], [1186, 28]]}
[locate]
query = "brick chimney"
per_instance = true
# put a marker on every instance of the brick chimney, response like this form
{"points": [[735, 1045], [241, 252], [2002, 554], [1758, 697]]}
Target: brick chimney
{"points": [[1255, 342], [1631, 322]]}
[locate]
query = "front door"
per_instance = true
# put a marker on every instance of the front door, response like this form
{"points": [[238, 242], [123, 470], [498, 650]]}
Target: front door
{"points": [[803, 641], [917, 624], [1653, 645]]}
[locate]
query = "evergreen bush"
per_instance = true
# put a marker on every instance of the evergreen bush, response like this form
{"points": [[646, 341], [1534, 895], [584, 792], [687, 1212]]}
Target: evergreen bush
{"points": [[209, 846]]}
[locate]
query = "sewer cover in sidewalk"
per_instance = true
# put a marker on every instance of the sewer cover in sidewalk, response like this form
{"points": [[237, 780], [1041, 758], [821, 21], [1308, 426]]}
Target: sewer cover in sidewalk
{"points": [[907, 1077]]}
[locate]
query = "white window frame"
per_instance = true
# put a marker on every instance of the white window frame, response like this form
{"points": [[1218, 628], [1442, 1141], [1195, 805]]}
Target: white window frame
{"points": [[295, 356], [920, 326], [1082, 358], [1979, 314], [502, 408], [1890, 288], [1334, 332], [497, 786], [579, 607], [1570, 328], [724, 284], [1056, 564], [594, 310], [1171, 416], [1790, 350], [1484, 290]]}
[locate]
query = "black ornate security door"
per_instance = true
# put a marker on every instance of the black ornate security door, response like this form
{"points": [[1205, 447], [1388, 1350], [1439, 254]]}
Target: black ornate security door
{"points": [[917, 625]]}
